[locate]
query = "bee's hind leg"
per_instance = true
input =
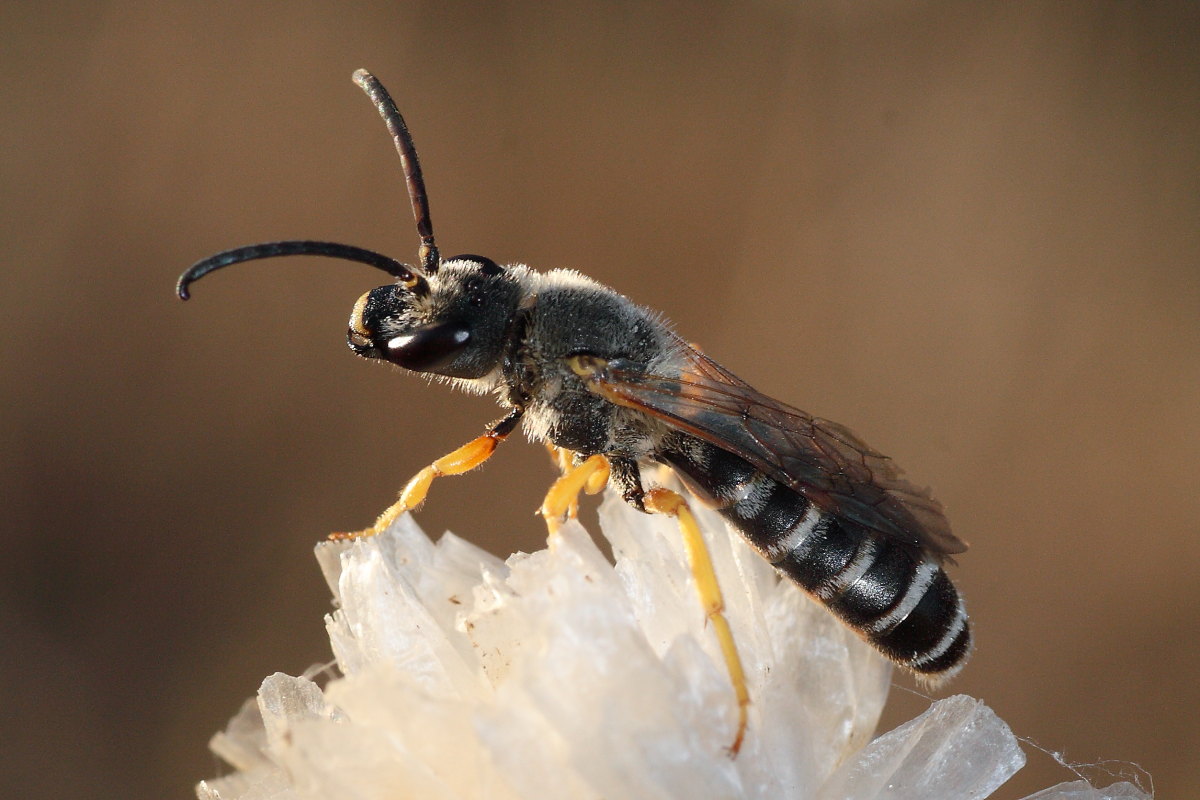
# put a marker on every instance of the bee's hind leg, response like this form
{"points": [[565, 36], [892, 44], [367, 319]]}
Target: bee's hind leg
{"points": [[464, 459], [665, 501], [592, 475]]}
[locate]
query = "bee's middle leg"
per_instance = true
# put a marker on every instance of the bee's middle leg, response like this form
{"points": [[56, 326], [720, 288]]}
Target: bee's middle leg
{"points": [[566, 460], [562, 501]]}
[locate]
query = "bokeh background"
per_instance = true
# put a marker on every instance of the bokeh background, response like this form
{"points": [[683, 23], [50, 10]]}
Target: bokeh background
{"points": [[969, 231]]}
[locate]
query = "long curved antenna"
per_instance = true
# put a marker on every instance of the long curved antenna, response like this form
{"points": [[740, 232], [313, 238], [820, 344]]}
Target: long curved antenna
{"points": [[430, 259], [292, 248]]}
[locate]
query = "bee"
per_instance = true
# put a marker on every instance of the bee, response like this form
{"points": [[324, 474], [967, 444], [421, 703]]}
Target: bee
{"points": [[585, 369]]}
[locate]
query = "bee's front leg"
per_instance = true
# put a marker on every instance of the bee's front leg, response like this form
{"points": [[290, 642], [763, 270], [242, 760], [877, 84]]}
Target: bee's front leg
{"points": [[464, 459]]}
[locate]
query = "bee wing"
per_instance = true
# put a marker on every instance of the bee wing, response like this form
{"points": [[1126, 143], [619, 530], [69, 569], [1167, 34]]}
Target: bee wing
{"points": [[821, 460]]}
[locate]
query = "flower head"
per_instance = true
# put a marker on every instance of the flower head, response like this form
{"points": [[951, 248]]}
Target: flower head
{"points": [[558, 674]]}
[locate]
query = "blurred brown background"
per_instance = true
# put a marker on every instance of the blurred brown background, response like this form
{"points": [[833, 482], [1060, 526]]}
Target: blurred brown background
{"points": [[969, 231]]}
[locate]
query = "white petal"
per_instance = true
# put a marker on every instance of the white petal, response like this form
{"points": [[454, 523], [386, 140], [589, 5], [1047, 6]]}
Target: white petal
{"points": [[958, 748]]}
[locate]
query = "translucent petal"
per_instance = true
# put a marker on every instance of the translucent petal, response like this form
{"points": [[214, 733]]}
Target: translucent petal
{"points": [[957, 748], [1082, 790]]}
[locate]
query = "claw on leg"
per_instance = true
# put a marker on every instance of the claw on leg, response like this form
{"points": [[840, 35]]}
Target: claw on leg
{"points": [[563, 497], [664, 501]]}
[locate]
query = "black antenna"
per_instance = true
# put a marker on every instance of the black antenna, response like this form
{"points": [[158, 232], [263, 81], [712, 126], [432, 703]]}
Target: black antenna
{"points": [[430, 259], [293, 248]]}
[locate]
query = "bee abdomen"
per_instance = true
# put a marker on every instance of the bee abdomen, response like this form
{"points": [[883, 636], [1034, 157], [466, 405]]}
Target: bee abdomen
{"points": [[893, 594], [900, 601]]}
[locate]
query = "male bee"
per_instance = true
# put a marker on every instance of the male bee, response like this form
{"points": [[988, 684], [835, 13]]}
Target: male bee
{"points": [[582, 367]]}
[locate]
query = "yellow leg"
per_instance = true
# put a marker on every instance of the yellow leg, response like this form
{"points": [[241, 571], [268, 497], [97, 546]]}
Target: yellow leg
{"points": [[464, 459], [561, 457], [564, 462], [664, 501], [563, 497], [598, 480]]}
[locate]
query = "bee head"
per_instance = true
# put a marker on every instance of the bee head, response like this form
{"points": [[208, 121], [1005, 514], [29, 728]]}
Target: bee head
{"points": [[444, 318], [452, 323]]}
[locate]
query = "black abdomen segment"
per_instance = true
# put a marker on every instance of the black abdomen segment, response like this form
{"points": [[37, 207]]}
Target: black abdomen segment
{"points": [[894, 595]]}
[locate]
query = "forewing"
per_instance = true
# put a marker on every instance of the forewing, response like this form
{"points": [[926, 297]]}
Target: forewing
{"points": [[822, 460]]}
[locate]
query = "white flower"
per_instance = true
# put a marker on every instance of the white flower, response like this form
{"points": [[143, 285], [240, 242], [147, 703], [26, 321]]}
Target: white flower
{"points": [[559, 675]]}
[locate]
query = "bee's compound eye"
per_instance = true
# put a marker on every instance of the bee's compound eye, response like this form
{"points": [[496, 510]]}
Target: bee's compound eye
{"points": [[428, 349]]}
